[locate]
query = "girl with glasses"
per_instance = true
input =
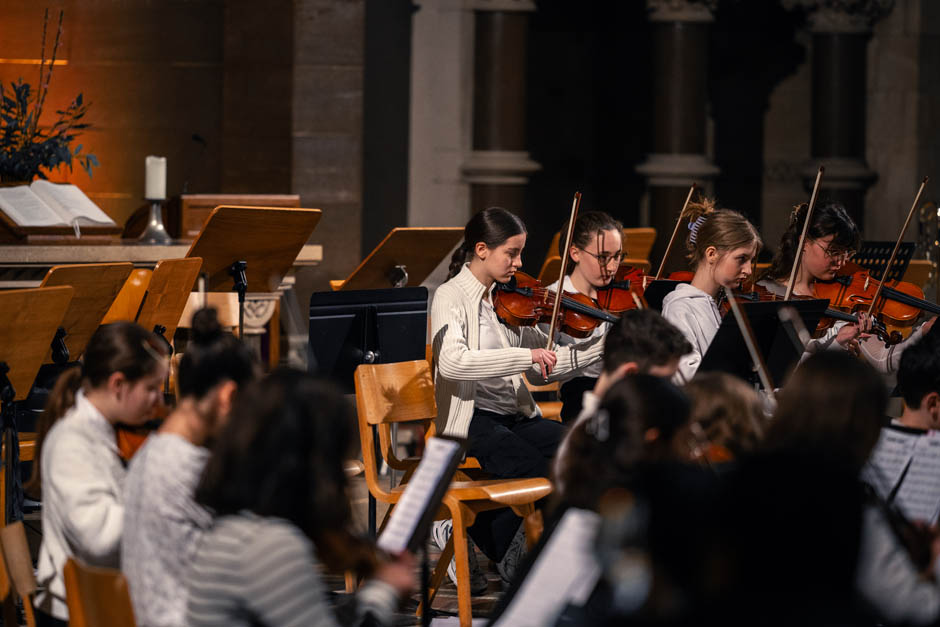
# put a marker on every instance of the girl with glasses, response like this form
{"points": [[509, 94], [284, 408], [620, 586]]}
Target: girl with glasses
{"points": [[831, 240], [594, 258]]}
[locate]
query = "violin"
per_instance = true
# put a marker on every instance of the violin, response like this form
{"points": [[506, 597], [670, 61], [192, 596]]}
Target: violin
{"points": [[753, 292], [523, 301], [625, 291], [899, 303], [130, 438]]}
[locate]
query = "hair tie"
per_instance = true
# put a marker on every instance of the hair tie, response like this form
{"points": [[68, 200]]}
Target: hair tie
{"points": [[694, 226], [598, 425]]}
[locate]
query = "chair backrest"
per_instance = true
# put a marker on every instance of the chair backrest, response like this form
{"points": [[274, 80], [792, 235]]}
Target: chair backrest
{"points": [[386, 394], [637, 243], [19, 566], [97, 597]]}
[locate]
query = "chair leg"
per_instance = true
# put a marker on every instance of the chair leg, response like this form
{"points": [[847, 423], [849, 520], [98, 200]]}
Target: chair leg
{"points": [[464, 604], [350, 577], [531, 521]]}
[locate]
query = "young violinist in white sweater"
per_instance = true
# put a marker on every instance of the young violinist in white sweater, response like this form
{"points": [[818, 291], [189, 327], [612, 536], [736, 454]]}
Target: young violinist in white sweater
{"points": [[80, 469], [478, 367], [722, 246], [593, 260]]}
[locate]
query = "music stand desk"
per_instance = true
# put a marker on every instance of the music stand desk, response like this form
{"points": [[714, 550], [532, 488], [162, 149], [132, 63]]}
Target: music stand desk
{"points": [[728, 352], [416, 250], [170, 286], [96, 286]]}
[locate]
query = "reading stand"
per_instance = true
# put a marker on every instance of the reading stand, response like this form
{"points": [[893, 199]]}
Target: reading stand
{"points": [[404, 258], [28, 323], [96, 285], [251, 248], [166, 296], [728, 352], [656, 291]]}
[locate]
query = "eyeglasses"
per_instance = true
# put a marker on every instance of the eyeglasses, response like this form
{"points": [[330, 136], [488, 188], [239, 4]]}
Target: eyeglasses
{"points": [[835, 253], [604, 259]]}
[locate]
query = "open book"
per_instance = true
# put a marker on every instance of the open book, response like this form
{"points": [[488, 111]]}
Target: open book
{"points": [[51, 204]]}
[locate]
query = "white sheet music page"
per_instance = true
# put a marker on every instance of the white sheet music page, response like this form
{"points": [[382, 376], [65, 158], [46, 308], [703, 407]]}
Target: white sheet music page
{"points": [[919, 495], [887, 462], [565, 572], [70, 203], [26, 208], [438, 452]]}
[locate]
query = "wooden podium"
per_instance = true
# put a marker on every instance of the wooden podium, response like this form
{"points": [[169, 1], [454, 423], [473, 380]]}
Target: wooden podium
{"points": [[251, 249], [28, 322], [96, 285], [404, 258]]}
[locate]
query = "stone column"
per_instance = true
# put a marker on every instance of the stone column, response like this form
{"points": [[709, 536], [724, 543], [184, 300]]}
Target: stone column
{"points": [[680, 61], [840, 34], [499, 167]]}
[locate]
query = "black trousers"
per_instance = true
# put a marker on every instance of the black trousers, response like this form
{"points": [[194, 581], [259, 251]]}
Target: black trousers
{"points": [[47, 620], [508, 447], [572, 394]]}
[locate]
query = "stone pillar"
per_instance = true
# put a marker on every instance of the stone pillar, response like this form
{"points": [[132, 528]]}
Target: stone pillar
{"points": [[840, 34], [499, 167], [680, 61]]}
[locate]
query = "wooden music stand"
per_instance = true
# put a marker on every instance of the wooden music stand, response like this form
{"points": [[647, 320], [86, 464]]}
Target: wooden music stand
{"points": [[404, 258], [251, 249], [96, 286], [28, 322], [166, 297]]}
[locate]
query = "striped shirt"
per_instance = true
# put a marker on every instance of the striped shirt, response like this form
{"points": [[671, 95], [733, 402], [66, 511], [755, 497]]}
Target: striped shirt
{"points": [[251, 571], [162, 526]]}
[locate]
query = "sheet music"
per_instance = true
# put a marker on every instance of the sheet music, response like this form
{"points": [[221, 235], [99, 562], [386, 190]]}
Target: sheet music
{"points": [[919, 496], [438, 453], [565, 572], [70, 203], [892, 453], [26, 208]]}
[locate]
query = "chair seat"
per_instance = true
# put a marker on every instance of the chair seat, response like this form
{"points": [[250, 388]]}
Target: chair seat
{"points": [[551, 410], [503, 491]]}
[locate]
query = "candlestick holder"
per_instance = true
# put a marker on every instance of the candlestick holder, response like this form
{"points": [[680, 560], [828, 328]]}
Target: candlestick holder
{"points": [[155, 233]]}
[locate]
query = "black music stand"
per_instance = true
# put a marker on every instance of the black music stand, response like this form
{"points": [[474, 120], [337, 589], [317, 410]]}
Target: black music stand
{"points": [[656, 291], [728, 352], [348, 328], [874, 255]]}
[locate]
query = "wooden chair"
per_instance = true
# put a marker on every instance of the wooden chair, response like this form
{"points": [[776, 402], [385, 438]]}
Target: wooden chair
{"points": [[404, 392], [551, 410], [97, 597], [18, 568]]}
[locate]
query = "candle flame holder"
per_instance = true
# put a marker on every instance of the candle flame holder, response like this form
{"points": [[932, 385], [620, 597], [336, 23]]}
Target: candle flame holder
{"points": [[155, 233]]}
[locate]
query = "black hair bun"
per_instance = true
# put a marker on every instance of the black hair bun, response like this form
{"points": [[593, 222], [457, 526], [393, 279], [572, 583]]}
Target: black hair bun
{"points": [[205, 326]]}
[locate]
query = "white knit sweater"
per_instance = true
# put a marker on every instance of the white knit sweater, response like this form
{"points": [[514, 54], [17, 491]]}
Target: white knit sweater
{"points": [[459, 363]]}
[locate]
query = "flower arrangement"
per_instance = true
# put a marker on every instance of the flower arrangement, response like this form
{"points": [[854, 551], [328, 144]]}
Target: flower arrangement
{"points": [[25, 147]]}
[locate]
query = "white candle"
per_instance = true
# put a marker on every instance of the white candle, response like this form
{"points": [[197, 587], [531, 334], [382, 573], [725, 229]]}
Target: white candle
{"points": [[156, 178]]}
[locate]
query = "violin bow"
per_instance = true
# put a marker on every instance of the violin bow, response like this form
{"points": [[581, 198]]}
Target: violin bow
{"points": [[799, 249], [748, 334], [662, 264], [884, 275], [556, 307]]}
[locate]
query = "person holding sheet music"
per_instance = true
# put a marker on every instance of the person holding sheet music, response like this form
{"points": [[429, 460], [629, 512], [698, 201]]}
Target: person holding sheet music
{"points": [[80, 473], [162, 522], [593, 261], [722, 245], [831, 241], [833, 409], [276, 483], [478, 367]]}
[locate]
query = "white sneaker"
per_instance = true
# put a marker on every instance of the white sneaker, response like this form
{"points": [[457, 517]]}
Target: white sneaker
{"points": [[441, 532]]}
